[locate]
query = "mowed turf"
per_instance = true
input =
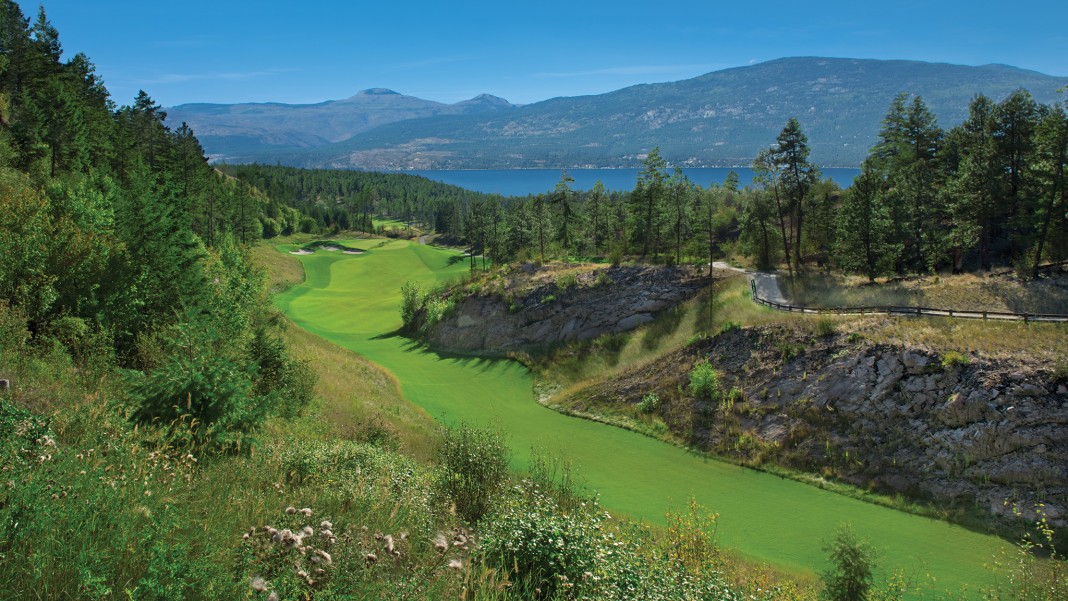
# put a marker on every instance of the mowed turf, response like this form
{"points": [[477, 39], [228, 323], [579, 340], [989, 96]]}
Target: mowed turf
{"points": [[353, 301]]}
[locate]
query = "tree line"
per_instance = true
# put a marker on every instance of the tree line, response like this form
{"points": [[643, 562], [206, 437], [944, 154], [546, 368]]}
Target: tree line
{"points": [[120, 244], [988, 192]]}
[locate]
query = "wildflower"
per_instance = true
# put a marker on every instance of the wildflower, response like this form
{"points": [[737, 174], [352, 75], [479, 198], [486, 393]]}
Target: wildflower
{"points": [[455, 564], [390, 548], [291, 510], [441, 544], [325, 525], [258, 584], [370, 558], [273, 596], [307, 531], [306, 512]]}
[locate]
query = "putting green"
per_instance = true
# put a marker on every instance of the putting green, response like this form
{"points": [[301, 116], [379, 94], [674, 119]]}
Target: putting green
{"points": [[353, 301]]}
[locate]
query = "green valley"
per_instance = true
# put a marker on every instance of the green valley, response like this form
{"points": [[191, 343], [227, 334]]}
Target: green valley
{"points": [[352, 300]]}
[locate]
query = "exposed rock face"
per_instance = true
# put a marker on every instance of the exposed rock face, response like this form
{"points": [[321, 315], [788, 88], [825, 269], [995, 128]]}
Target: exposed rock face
{"points": [[899, 419], [612, 299]]}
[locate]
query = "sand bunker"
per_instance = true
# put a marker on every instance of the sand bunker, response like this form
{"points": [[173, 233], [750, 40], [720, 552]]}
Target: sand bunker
{"points": [[352, 251], [301, 251]]}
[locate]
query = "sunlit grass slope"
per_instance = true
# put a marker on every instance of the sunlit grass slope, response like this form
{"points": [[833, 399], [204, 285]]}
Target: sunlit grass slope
{"points": [[353, 300]]}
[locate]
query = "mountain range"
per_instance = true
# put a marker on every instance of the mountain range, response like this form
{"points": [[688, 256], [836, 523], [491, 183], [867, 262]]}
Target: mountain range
{"points": [[721, 118]]}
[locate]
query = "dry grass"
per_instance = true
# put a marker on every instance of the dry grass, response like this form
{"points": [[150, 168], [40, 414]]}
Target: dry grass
{"points": [[353, 395], [283, 270], [998, 291], [1042, 343]]}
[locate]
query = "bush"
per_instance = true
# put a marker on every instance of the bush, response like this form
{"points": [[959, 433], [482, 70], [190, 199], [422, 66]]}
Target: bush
{"points": [[704, 382], [410, 301], [543, 548], [649, 403], [473, 469], [203, 400], [289, 380], [852, 562], [434, 309]]}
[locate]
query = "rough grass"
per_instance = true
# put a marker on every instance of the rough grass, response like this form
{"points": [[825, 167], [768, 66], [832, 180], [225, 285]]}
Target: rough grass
{"points": [[999, 291], [353, 300]]}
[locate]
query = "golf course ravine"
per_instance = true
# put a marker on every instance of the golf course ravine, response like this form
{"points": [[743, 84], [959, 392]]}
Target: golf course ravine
{"points": [[353, 299]]}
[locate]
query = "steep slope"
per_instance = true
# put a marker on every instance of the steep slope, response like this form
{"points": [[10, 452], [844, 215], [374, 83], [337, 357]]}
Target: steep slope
{"points": [[245, 132], [718, 119]]}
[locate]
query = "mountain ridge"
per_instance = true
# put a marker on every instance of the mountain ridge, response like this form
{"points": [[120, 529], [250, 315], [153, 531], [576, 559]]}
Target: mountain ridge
{"points": [[721, 118]]}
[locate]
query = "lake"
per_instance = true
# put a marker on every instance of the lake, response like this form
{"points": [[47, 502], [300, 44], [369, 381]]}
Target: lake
{"points": [[521, 182]]}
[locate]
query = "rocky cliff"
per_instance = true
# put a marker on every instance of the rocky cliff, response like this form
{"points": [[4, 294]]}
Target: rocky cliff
{"points": [[540, 307], [952, 428]]}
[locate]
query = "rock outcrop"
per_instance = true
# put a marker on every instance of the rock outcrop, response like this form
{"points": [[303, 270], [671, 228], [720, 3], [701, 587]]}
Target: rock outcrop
{"points": [[551, 310], [950, 428]]}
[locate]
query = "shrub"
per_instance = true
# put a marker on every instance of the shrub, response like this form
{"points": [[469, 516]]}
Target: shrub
{"points": [[549, 299], [825, 326], [410, 301], [704, 381], [201, 400], [852, 562], [565, 281], [544, 549], [649, 403], [473, 469], [291, 381]]}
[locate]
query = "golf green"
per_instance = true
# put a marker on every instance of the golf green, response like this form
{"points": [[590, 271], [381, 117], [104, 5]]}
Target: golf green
{"points": [[353, 300]]}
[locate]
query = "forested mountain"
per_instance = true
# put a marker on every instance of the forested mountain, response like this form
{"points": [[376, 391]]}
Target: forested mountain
{"points": [[719, 119], [242, 132]]}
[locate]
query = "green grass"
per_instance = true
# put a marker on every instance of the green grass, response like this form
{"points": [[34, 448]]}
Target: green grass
{"points": [[353, 301]]}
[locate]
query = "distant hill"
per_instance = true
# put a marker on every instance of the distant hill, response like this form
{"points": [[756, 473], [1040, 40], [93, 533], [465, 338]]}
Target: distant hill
{"points": [[719, 119], [245, 132]]}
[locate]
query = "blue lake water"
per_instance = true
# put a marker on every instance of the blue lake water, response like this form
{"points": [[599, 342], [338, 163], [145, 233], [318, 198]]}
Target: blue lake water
{"points": [[521, 182]]}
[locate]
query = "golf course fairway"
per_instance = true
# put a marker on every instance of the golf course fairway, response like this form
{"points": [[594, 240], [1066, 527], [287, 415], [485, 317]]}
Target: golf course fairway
{"points": [[353, 300]]}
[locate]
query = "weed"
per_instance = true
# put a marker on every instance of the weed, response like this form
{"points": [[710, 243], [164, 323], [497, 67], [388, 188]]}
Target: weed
{"points": [[474, 467], [789, 350], [730, 326], [826, 327], [565, 281], [954, 359]]}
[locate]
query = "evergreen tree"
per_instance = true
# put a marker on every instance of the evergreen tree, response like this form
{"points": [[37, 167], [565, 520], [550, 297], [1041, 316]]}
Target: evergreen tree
{"points": [[798, 175], [864, 228], [647, 201]]}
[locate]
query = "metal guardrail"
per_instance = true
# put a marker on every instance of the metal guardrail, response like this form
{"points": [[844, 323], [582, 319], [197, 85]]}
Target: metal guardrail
{"points": [[908, 311]]}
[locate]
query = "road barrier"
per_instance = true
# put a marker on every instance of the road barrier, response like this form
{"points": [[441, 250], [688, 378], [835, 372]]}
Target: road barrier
{"points": [[908, 311]]}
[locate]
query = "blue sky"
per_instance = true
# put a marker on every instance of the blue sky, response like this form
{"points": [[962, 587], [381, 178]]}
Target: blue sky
{"points": [[310, 51]]}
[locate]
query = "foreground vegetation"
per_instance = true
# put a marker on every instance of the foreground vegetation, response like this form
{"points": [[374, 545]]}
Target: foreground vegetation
{"points": [[165, 435]]}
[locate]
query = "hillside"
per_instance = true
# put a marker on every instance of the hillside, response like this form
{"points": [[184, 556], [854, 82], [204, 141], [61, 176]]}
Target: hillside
{"points": [[718, 119], [249, 131]]}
